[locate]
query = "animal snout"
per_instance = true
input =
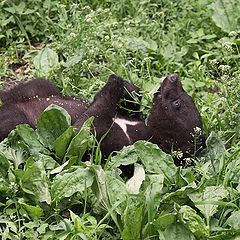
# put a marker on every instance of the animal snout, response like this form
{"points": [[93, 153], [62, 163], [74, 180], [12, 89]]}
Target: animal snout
{"points": [[173, 77]]}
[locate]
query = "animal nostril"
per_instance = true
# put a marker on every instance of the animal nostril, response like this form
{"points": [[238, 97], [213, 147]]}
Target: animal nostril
{"points": [[173, 77], [177, 103]]}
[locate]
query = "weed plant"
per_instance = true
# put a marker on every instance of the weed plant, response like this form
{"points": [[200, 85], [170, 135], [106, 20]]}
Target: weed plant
{"points": [[47, 192]]}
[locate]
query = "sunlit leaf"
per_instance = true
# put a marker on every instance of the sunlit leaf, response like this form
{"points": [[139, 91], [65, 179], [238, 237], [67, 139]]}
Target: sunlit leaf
{"points": [[52, 123], [46, 62], [226, 14], [61, 144], [73, 60], [69, 182], [117, 193], [34, 181], [155, 160], [132, 220], [80, 143], [194, 222], [208, 195], [177, 231], [234, 220], [34, 211], [164, 220]]}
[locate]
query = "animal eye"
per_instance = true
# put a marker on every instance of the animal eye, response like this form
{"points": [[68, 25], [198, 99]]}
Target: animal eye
{"points": [[176, 103]]}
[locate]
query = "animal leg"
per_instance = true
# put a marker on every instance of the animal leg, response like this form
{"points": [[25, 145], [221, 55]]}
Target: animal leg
{"points": [[104, 106]]}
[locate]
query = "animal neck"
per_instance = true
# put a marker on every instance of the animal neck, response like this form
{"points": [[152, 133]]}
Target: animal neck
{"points": [[162, 133], [134, 129]]}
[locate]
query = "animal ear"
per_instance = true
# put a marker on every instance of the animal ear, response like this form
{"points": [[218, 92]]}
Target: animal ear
{"points": [[157, 95], [113, 77]]}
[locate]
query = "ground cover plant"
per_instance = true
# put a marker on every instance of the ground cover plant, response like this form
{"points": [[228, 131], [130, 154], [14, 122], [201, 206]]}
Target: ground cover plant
{"points": [[47, 192]]}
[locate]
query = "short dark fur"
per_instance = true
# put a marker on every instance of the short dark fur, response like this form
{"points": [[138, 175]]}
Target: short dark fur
{"points": [[28, 90], [172, 118]]}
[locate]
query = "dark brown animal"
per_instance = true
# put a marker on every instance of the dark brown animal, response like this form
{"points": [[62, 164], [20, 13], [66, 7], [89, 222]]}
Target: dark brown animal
{"points": [[172, 118]]}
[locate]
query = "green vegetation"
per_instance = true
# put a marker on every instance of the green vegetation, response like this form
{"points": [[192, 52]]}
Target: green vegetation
{"points": [[46, 192]]}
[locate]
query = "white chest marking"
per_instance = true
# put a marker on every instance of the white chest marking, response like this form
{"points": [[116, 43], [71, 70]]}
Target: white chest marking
{"points": [[122, 123]]}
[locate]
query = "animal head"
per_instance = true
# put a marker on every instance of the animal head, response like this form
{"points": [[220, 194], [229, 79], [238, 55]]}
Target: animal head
{"points": [[174, 117]]}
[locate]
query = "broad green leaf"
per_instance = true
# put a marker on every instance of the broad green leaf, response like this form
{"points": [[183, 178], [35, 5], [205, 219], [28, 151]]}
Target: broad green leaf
{"points": [[11, 9], [154, 184], [177, 231], [80, 143], [4, 186], [117, 193], [4, 166], [52, 123], [48, 162], [193, 222], [59, 168], [100, 189], [34, 181], [42, 228], [126, 156], [139, 44], [16, 9], [153, 193], [164, 220], [29, 11], [188, 175], [9, 154], [208, 195], [234, 220], [179, 196], [64, 224], [33, 211], [78, 225], [133, 219], [171, 51], [226, 14], [155, 160], [215, 146], [214, 154], [46, 62], [28, 139], [61, 144], [20, 8], [73, 60], [69, 182], [11, 226]]}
